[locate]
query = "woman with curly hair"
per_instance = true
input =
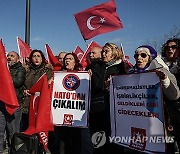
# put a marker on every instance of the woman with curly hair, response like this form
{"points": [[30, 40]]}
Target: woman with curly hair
{"points": [[36, 68], [171, 56]]}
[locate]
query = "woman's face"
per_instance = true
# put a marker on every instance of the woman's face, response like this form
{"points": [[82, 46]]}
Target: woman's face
{"points": [[69, 62], [37, 58], [107, 54], [142, 59], [172, 51]]}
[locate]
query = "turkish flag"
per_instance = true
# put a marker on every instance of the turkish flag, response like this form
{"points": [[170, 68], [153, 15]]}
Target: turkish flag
{"points": [[127, 57], [98, 19], [79, 52], [7, 91], [24, 49], [40, 118], [127, 63], [52, 59], [85, 59]]}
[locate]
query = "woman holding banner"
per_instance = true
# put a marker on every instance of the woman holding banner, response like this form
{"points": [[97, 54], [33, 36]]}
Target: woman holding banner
{"points": [[145, 56], [71, 140], [101, 71], [147, 60]]}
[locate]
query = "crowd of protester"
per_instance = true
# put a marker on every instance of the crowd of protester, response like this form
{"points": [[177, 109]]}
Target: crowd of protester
{"points": [[104, 62]]}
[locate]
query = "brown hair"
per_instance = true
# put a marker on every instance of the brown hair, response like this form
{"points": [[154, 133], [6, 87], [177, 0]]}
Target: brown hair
{"points": [[77, 66], [175, 40]]}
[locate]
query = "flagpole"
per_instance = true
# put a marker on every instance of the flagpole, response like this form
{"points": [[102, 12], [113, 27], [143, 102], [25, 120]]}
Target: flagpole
{"points": [[122, 51], [47, 53], [86, 49], [27, 27]]}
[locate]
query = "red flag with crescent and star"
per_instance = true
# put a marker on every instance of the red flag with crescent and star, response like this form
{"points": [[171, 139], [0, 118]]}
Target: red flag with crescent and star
{"points": [[98, 19], [40, 118], [7, 91], [79, 52]]}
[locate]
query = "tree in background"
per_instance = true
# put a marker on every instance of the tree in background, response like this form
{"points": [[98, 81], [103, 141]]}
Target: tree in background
{"points": [[157, 44]]}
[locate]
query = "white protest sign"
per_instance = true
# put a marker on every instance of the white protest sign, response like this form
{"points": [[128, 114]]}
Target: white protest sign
{"points": [[70, 99], [137, 118]]}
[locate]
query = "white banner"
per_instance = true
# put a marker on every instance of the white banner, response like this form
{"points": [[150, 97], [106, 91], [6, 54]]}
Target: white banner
{"points": [[137, 119], [70, 99]]}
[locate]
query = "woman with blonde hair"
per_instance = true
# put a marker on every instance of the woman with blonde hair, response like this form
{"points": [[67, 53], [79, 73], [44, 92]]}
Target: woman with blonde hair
{"points": [[101, 72], [116, 51]]}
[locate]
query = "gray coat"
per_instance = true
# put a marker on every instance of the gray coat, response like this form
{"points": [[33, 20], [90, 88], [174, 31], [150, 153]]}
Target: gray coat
{"points": [[171, 92]]}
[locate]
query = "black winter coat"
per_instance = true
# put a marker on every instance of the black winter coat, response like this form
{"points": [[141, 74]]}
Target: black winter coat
{"points": [[100, 105], [173, 107], [100, 73], [18, 74]]}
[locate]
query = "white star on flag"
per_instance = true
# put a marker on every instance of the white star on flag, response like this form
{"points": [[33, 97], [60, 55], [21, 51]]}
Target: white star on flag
{"points": [[102, 20]]}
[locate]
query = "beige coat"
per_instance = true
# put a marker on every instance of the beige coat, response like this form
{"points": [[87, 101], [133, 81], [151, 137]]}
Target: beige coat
{"points": [[32, 76]]}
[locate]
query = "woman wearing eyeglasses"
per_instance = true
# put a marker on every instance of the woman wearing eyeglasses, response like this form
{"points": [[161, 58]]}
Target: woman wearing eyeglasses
{"points": [[111, 64], [144, 56], [170, 51], [71, 62], [71, 140], [171, 56]]}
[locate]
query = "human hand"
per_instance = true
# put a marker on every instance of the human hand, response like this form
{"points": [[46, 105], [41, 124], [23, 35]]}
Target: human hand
{"points": [[161, 75], [90, 72], [50, 81], [107, 83], [26, 93]]}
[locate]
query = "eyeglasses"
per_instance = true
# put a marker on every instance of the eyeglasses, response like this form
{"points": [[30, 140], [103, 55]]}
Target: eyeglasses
{"points": [[171, 47], [143, 55]]}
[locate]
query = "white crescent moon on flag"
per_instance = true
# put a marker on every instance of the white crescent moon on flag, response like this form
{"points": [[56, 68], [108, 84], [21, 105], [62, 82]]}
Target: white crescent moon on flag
{"points": [[89, 23], [35, 96], [79, 54]]}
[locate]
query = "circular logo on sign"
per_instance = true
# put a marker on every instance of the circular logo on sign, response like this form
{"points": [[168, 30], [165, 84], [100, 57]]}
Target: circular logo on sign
{"points": [[68, 118], [98, 139], [71, 82]]}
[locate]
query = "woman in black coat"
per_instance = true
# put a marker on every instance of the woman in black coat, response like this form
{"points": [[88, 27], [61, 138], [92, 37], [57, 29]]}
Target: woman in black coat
{"points": [[102, 71], [171, 56]]}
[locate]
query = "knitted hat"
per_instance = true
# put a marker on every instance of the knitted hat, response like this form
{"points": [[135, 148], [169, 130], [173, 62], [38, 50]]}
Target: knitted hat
{"points": [[152, 51]]}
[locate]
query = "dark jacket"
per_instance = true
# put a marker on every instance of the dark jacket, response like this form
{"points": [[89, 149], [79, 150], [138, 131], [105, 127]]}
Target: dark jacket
{"points": [[100, 73], [173, 107], [99, 119], [32, 76], [18, 74]]}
